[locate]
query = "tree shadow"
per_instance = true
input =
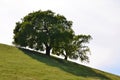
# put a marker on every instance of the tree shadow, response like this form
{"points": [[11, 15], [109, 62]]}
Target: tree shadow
{"points": [[67, 66]]}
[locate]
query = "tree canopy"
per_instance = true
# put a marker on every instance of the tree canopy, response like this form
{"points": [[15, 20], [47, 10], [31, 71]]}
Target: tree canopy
{"points": [[50, 32]]}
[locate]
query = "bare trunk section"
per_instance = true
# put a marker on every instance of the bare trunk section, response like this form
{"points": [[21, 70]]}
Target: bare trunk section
{"points": [[48, 51], [65, 57]]}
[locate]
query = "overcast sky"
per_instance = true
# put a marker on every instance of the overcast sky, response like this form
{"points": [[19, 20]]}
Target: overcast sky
{"points": [[99, 18]]}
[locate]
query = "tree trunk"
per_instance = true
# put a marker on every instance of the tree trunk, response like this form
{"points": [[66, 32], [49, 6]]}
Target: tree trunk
{"points": [[48, 51], [66, 58]]}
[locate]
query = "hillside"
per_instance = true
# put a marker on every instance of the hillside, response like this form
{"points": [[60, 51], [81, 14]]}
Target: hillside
{"points": [[21, 64]]}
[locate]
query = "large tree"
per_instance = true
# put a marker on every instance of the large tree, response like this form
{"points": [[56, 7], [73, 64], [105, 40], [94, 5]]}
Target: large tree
{"points": [[42, 30], [50, 32]]}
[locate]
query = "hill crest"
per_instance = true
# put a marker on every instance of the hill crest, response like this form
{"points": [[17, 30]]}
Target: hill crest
{"points": [[23, 64]]}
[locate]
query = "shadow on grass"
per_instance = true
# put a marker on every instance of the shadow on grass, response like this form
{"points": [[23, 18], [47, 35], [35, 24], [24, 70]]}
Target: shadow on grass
{"points": [[70, 67]]}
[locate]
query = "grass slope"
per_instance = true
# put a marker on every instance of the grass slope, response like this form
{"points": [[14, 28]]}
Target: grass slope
{"points": [[21, 64]]}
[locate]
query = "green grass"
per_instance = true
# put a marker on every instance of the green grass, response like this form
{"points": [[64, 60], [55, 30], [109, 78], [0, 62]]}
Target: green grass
{"points": [[21, 64]]}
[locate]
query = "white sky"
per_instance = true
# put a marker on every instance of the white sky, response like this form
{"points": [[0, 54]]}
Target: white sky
{"points": [[99, 18]]}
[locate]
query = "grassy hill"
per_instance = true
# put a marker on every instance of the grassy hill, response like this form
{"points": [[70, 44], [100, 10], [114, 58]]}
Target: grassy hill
{"points": [[21, 64]]}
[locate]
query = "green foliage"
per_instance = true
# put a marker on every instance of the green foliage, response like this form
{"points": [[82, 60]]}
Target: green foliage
{"points": [[21, 64], [42, 30], [75, 48], [46, 31]]}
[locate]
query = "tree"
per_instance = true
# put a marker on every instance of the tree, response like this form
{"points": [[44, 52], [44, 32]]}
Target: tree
{"points": [[42, 30], [75, 48], [50, 32]]}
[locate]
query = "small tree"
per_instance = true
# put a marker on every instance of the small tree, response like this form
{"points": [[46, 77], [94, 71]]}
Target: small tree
{"points": [[75, 48]]}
